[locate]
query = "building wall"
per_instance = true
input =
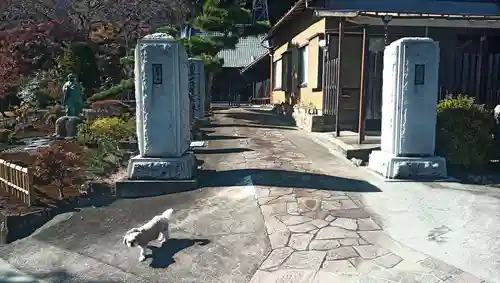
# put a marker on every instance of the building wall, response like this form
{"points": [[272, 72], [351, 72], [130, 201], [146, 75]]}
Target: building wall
{"points": [[304, 31]]}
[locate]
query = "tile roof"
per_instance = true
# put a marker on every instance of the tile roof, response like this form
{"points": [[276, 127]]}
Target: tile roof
{"points": [[246, 50], [241, 56]]}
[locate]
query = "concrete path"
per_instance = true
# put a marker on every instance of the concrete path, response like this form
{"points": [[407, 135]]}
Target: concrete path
{"points": [[218, 235], [312, 204], [456, 223], [274, 207]]}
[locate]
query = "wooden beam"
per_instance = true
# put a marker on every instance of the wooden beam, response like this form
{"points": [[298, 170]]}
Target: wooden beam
{"points": [[362, 91], [339, 76], [271, 76]]}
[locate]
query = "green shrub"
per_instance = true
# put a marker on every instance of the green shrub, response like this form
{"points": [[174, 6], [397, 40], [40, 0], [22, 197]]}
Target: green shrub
{"points": [[102, 138], [464, 132], [105, 157], [114, 128], [113, 91]]}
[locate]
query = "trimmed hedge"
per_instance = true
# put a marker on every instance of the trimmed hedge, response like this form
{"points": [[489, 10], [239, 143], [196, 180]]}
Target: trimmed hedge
{"points": [[464, 132], [113, 91]]}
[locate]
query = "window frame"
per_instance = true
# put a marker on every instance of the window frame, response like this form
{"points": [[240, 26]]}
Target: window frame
{"points": [[278, 76], [303, 65]]}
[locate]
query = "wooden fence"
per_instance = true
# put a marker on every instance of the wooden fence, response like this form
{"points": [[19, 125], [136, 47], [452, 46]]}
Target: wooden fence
{"points": [[469, 79], [18, 181]]}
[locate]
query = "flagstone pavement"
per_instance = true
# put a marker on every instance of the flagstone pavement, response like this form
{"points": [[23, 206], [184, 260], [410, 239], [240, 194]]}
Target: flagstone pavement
{"points": [[318, 230]]}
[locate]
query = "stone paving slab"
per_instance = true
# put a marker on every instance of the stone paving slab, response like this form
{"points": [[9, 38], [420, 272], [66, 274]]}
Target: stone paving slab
{"points": [[317, 226]]}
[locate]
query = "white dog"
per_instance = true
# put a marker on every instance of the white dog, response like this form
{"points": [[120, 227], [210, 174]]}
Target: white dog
{"points": [[156, 228]]}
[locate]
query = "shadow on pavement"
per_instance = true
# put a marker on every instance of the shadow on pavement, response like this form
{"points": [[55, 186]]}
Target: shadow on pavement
{"points": [[206, 132], [220, 150], [163, 256], [262, 118], [217, 137], [52, 276], [283, 178], [252, 125]]}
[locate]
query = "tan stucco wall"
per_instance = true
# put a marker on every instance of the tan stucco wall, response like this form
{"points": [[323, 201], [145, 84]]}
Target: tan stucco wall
{"points": [[306, 31]]}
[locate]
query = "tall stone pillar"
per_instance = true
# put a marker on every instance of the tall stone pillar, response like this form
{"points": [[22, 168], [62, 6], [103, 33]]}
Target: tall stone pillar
{"points": [[197, 95], [163, 119], [197, 87], [409, 101]]}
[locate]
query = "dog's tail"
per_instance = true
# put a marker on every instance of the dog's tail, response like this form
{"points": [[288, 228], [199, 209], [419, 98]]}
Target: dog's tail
{"points": [[168, 213]]}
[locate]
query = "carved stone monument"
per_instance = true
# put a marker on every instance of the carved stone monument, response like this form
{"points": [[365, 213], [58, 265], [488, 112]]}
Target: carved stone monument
{"points": [[197, 86], [163, 117], [409, 101], [197, 94]]}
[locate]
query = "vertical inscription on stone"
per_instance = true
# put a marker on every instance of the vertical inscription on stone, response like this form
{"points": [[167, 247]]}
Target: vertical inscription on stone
{"points": [[192, 88], [419, 74], [157, 74]]}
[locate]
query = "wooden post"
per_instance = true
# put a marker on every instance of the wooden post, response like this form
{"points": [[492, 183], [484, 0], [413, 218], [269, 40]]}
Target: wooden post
{"points": [[482, 68], [339, 72], [362, 86], [271, 76], [31, 187]]}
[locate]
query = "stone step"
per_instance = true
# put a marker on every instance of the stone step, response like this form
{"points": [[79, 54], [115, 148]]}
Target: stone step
{"points": [[48, 264], [348, 150]]}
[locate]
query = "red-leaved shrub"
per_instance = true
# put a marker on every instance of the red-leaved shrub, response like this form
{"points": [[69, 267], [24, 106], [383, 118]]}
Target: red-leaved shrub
{"points": [[56, 166]]}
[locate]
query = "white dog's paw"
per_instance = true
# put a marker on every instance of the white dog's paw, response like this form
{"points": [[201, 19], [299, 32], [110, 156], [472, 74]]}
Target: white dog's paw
{"points": [[142, 258]]}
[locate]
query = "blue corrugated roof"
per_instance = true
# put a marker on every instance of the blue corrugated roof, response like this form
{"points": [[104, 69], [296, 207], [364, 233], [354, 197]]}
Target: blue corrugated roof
{"points": [[470, 7]]}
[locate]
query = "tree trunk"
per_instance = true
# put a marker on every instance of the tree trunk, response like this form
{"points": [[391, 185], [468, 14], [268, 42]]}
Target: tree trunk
{"points": [[61, 192]]}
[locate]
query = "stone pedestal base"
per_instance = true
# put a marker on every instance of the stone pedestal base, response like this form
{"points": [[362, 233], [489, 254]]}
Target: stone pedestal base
{"points": [[158, 176], [168, 168], [67, 126], [196, 134], [204, 122], [394, 167]]}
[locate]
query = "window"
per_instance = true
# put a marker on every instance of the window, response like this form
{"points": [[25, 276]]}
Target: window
{"points": [[303, 64], [277, 74]]}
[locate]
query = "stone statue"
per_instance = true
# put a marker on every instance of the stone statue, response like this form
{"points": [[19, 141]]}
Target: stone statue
{"points": [[66, 126], [73, 100]]}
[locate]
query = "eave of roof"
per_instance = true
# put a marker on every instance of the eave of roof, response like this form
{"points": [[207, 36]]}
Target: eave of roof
{"points": [[255, 62], [296, 9], [353, 14], [301, 6]]}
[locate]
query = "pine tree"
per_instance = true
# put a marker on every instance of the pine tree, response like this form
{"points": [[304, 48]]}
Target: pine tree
{"points": [[223, 23]]}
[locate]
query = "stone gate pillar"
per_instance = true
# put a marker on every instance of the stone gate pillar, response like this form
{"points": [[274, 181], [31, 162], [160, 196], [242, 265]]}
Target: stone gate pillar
{"points": [[163, 118], [197, 87], [409, 102]]}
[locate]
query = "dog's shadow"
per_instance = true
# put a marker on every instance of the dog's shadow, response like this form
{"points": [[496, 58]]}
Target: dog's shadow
{"points": [[163, 256]]}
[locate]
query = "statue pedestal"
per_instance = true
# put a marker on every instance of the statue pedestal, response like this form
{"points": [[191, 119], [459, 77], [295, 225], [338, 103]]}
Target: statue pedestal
{"points": [[163, 121], [67, 126]]}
